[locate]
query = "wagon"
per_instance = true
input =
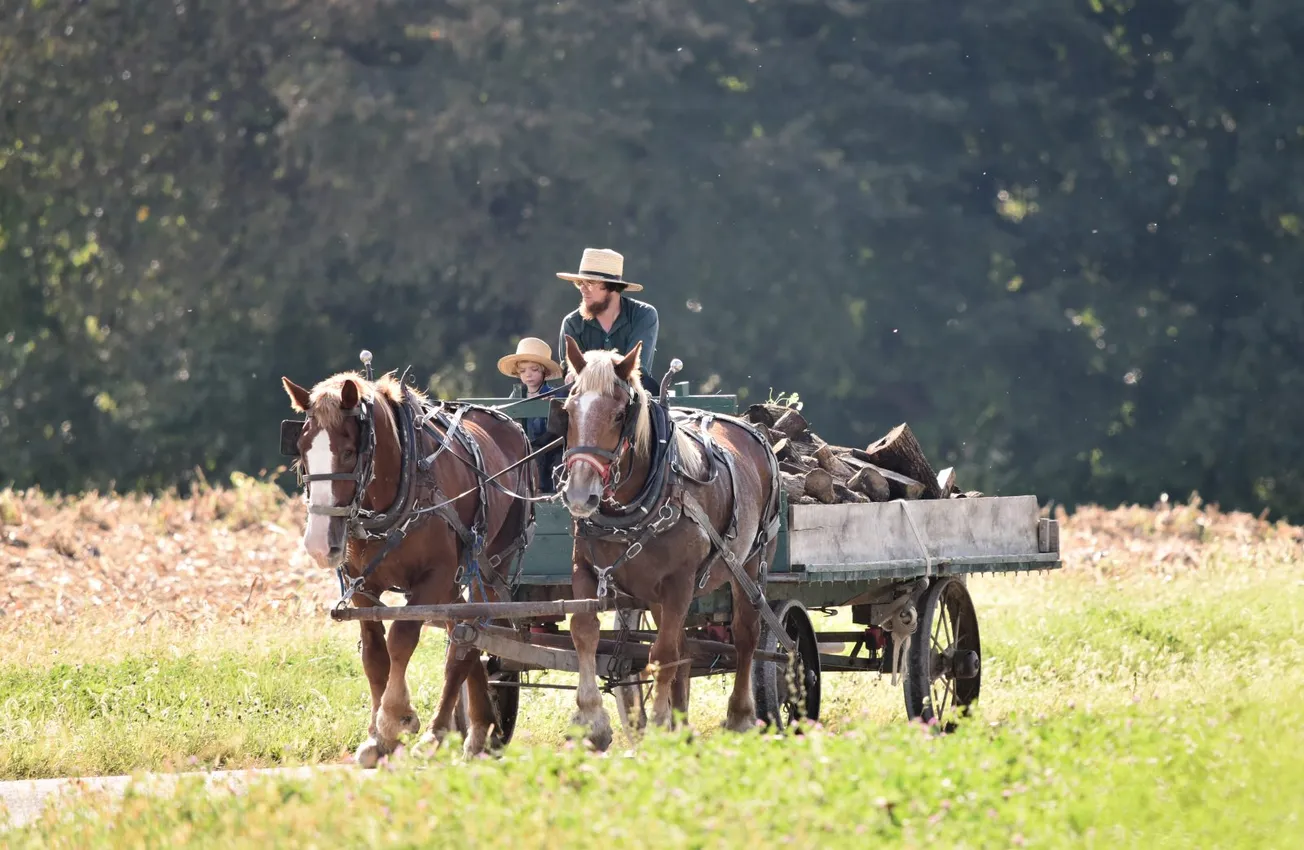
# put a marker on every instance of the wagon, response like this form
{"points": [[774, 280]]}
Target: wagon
{"points": [[901, 567]]}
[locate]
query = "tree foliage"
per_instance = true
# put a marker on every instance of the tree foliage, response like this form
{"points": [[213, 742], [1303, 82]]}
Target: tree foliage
{"points": [[1062, 240]]}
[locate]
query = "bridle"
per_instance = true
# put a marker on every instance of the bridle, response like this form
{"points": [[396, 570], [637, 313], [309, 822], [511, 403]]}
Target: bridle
{"points": [[604, 462], [363, 524]]}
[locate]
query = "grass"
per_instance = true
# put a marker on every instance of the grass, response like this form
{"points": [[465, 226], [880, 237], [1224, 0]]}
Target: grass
{"points": [[1136, 776], [1147, 694]]}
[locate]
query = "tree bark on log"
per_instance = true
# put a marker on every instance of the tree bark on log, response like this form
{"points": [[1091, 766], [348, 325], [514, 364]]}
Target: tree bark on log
{"points": [[900, 452], [946, 481], [846, 494], [871, 483], [820, 485], [759, 414], [791, 424], [793, 485]]}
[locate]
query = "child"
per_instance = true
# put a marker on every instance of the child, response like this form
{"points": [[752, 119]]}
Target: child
{"points": [[532, 366]]}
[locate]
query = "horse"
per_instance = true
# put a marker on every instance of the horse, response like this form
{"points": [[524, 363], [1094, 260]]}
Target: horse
{"points": [[666, 506], [414, 497]]}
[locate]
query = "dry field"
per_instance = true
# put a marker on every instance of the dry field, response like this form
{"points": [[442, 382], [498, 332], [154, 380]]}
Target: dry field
{"points": [[164, 633]]}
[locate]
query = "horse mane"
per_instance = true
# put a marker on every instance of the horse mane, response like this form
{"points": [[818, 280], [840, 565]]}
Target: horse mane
{"points": [[599, 376], [326, 398]]}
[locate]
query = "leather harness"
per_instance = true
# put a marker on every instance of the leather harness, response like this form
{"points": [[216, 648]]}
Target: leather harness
{"points": [[415, 416]]}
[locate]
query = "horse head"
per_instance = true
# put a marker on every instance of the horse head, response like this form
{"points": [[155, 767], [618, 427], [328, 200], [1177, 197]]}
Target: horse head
{"points": [[607, 420], [337, 458]]}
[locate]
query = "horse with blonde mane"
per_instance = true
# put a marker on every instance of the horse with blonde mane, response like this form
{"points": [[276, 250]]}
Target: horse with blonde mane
{"points": [[416, 497], [667, 506]]}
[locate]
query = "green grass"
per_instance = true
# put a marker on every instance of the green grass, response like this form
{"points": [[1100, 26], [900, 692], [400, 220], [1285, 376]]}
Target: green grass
{"points": [[1137, 710], [1145, 775]]}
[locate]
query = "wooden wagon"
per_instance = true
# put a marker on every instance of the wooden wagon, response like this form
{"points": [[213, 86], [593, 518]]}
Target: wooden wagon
{"points": [[900, 566]]}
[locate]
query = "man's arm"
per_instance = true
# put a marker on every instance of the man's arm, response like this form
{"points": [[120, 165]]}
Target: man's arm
{"points": [[566, 373], [644, 329]]}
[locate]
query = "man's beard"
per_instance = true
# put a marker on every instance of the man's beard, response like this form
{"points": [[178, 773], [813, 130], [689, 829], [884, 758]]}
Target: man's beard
{"points": [[600, 307]]}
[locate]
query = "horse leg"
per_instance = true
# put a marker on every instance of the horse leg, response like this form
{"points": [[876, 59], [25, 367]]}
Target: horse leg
{"points": [[468, 669], [683, 678], [375, 663], [585, 633], [746, 636], [665, 652], [396, 713]]}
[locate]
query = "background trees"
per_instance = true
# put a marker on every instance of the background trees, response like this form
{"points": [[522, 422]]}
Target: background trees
{"points": [[1062, 240]]}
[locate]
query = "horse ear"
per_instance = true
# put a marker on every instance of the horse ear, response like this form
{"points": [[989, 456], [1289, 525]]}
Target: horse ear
{"points": [[574, 356], [626, 366], [349, 395], [300, 399]]}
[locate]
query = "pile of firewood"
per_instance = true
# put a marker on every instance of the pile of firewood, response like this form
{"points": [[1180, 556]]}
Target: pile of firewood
{"points": [[815, 472]]}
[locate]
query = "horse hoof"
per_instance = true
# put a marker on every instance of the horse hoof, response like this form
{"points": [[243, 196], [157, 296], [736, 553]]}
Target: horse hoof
{"points": [[392, 726], [369, 754], [475, 742], [597, 730], [740, 723]]}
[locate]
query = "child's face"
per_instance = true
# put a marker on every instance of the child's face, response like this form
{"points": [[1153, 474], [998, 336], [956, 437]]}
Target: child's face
{"points": [[531, 374]]}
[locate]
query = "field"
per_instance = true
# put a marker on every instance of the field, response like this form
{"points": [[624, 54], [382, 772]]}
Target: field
{"points": [[1148, 694]]}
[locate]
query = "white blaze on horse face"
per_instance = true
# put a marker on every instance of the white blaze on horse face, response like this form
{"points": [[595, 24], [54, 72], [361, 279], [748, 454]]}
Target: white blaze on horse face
{"points": [[583, 480], [320, 460]]}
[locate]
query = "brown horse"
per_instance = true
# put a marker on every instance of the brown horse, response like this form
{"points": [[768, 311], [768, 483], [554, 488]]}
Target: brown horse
{"points": [[667, 508], [384, 470]]}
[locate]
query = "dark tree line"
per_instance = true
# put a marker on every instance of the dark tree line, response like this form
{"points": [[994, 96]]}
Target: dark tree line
{"points": [[1061, 239]]}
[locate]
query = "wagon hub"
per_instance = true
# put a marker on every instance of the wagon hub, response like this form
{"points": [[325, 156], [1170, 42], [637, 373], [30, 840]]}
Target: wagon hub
{"points": [[964, 665]]}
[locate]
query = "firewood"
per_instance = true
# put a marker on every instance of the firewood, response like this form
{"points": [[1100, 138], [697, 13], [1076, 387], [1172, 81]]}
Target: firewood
{"points": [[830, 463], [899, 486], [775, 436], [760, 414], [871, 483], [793, 485], [791, 423], [846, 494], [900, 452], [793, 467], [820, 485], [946, 481], [782, 449]]}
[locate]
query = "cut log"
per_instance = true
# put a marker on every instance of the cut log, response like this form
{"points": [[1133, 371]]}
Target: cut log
{"points": [[946, 481], [899, 486], [760, 414], [870, 482], [900, 452], [846, 494], [793, 467], [820, 485], [793, 485], [783, 449], [830, 463], [775, 436], [791, 423]]}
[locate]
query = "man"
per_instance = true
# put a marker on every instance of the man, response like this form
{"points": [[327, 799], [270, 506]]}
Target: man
{"points": [[607, 318]]}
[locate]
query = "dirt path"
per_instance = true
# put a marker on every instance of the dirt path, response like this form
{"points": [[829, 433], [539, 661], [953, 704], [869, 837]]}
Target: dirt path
{"points": [[25, 798]]}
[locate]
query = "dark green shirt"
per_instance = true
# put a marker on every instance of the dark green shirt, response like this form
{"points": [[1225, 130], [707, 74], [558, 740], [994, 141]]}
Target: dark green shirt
{"points": [[636, 321]]}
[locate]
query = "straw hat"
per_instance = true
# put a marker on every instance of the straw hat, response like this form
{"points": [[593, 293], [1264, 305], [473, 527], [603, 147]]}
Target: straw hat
{"points": [[601, 264], [530, 349]]}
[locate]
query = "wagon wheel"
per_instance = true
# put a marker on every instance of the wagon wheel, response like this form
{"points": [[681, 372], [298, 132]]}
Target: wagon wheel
{"points": [[631, 700], [943, 663], [506, 701], [788, 693]]}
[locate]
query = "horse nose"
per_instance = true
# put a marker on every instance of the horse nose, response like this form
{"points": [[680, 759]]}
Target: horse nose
{"points": [[591, 503], [335, 554]]}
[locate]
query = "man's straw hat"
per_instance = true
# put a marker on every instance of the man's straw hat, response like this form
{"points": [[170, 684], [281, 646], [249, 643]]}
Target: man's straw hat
{"points": [[601, 264], [530, 349]]}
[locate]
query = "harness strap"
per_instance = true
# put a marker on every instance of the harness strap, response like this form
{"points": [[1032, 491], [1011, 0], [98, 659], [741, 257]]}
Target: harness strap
{"points": [[750, 588]]}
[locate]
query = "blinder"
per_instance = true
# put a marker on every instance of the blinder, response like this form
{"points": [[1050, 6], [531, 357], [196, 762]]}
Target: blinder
{"points": [[558, 418], [291, 430]]}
